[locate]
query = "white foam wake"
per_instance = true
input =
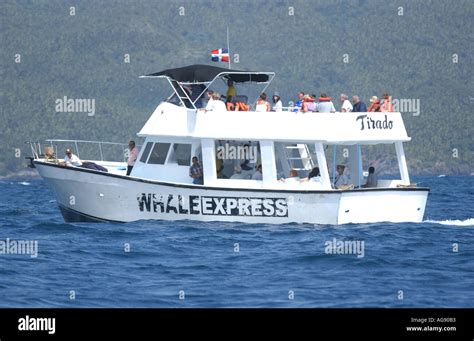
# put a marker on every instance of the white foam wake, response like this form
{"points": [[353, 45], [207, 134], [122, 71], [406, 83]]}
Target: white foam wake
{"points": [[467, 222]]}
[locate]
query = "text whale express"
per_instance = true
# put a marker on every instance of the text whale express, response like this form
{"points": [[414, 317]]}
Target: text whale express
{"points": [[212, 205]]}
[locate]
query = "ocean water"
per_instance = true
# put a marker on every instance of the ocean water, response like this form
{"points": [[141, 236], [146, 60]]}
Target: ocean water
{"points": [[191, 264]]}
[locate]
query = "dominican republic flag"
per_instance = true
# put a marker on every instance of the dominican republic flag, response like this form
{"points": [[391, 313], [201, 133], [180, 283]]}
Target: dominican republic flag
{"points": [[220, 55]]}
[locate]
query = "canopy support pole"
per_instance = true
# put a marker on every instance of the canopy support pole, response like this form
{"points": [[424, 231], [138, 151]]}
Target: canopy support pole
{"points": [[333, 163], [402, 163], [228, 45], [322, 164]]}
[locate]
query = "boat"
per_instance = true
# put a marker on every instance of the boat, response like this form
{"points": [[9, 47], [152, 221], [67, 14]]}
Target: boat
{"points": [[160, 187]]}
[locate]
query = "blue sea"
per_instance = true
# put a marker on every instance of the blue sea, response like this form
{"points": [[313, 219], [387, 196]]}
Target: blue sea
{"points": [[192, 264]]}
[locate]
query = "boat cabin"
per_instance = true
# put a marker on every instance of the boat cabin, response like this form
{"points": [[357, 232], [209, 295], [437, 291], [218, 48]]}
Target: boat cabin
{"points": [[231, 144]]}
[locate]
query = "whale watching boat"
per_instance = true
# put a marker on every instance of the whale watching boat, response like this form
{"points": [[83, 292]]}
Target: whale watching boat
{"points": [[229, 145]]}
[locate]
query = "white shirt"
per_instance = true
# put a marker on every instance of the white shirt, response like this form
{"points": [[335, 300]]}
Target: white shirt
{"points": [[261, 107], [293, 179], [278, 106], [216, 105], [257, 176], [325, 107], [347, 105], [316, 182], [209, 104], [243, 175], [72, 161], [341, 180]]}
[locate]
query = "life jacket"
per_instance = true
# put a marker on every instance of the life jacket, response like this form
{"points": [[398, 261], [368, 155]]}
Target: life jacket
{"points": [[325, 99], [374, 107], [241, 106]]}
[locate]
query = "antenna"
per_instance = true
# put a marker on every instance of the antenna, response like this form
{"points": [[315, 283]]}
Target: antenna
{"points": [[228, 46]]}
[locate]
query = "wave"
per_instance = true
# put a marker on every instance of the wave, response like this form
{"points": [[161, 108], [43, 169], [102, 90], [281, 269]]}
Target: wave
{"points": [[467, 222]]}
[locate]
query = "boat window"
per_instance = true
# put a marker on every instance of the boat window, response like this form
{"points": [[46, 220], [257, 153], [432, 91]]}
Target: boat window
{"points": [[237, 159], [146, 152], [180, 154], [298, 156], [159, 153]]}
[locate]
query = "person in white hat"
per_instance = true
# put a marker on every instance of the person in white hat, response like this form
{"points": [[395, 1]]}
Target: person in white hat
{"points": [[71, 159], [341, 179], [278, 106]]}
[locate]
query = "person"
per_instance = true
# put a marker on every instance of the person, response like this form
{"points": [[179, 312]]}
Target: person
{"points": [[262, 104], [308, 103], [314, 175], [71, 159], [374, 104], [258, 174], [197, 94], [231, 93], [195, 172], [217, 104], [49, 153], [277, 101], [214, 102], [132, 156], [325, 104], [341, 179], [346, 105], [299, 102], [358, 106], [293, 176], [238, 173], [387, 103], [209, 103], [245, 165], [219, 168], [371, 179]]}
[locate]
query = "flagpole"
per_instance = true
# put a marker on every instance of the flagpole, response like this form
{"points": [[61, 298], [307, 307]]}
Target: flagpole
{"points": [[228, 46]]}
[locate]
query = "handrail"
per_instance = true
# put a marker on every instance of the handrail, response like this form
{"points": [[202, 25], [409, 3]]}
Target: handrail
{"points": [[100, 143], [83, 141], [36, 150]]}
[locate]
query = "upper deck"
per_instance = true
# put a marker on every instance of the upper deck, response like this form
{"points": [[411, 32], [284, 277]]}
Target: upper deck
{"points": [[170, 120]]}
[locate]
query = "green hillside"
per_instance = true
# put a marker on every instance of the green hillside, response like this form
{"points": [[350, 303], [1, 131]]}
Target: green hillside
{"points": [[82, 56]]}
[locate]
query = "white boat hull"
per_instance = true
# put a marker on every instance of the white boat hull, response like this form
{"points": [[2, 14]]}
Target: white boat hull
{"points": [[86, 195]]}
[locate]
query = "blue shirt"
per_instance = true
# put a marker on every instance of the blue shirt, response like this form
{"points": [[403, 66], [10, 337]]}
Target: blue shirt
{"points": [[298, 106], [359, 107]]}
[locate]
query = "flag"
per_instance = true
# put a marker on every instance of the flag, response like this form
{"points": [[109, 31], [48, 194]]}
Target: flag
{"points": [[220, 55]]}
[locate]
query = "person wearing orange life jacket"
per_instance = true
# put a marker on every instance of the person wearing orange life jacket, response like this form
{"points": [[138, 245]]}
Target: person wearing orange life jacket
{"points": [[374, 104], [325, 104], [308, 103], [387, 103]]}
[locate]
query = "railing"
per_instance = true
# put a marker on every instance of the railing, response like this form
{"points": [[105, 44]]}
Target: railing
{"points": [[120, 150]]}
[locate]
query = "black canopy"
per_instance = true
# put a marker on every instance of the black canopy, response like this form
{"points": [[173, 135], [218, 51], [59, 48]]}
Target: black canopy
{"points": [[206, 73]]}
